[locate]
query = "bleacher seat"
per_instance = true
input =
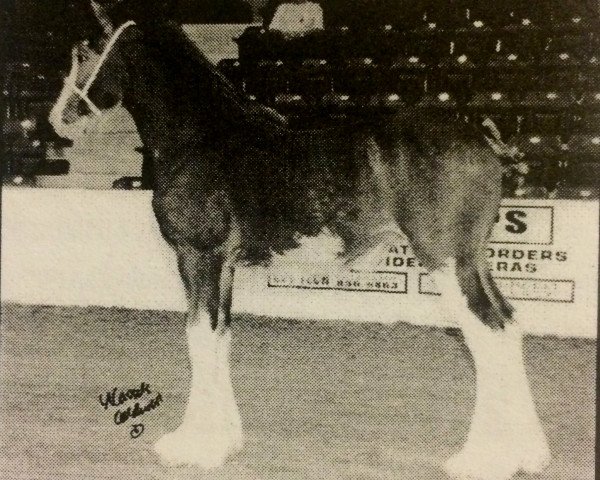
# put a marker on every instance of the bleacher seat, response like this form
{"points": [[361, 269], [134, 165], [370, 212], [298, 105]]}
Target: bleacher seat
{"points": [[587, 145], [545, 146], [343, 43], [254, 45], [565, 51], [411, 86], [504, 81], [386, 44], [493, 101], [438, 100], [575, 15], [457, 63], [589, 79], [545, 124], [232, 69], [338, 102], [582, 177], [410, 63], [385, 102], [552, 80], [453, 17], [586, 122], [430, 46], [357, 76], [590, 101], [312, 78], [547, 101], [290, 103], [515, 47], [458, 85], [490, 15], [266, 79], [476, 44], [523, 13], [504, 61]]}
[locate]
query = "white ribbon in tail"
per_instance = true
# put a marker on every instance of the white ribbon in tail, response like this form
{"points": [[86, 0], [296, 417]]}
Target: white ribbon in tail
{"points": [[495, 141]]}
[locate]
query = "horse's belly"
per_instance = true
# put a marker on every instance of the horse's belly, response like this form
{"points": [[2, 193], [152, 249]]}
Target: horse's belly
{"points": [[331, 247]]}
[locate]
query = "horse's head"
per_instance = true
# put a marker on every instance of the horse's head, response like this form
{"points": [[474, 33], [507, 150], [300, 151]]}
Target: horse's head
{"points": [[184, 82], [95, 82]]}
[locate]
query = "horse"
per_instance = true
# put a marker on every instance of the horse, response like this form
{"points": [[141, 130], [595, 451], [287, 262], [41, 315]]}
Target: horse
{"points": [[234, 182]]}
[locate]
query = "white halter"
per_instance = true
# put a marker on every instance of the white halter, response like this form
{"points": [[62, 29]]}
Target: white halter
{"points": [[70, 80]]}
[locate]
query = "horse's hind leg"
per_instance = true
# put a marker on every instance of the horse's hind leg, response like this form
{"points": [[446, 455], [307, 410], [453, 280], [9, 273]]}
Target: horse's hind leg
{"points": [[446, 203], [505, 435], [211, 428]]}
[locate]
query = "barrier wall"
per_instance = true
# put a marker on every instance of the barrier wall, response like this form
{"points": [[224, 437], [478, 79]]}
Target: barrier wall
{"points": [[81, 247]]}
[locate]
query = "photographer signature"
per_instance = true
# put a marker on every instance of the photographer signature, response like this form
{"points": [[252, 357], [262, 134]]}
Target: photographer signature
{"points": [[117, 398]]}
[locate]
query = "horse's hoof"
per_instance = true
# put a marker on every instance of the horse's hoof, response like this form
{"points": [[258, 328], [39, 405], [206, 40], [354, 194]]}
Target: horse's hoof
{"points": [[536, 462], [472, 467], [496, 465], [184, 447]]}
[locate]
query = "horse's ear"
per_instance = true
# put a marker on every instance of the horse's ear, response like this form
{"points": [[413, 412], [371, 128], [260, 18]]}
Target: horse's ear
{"points": [[102, 17]]}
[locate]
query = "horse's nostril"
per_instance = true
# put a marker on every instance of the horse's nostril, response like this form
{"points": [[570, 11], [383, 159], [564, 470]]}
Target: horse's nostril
{"points": [[83, 109], [68, 116], [73, 111]]}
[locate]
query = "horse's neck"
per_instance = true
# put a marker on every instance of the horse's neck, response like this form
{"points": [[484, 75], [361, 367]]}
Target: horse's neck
{"points": [[167, 128]]}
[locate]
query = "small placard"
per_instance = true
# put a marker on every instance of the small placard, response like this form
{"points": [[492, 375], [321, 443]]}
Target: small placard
{"points": [[518, 288], [338, 280]]}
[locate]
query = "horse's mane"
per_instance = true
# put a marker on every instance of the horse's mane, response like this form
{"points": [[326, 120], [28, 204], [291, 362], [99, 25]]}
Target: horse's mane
{"points": [[202, 82], [198, 83]]}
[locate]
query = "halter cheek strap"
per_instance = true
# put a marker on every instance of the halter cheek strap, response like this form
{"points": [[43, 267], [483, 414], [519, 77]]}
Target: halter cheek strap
{"points": [[83, 92]]}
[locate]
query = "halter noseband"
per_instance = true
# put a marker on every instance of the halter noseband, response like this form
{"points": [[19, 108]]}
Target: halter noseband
{"points": [[83, 92]]}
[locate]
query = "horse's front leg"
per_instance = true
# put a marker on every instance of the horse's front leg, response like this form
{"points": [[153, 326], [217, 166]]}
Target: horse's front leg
{"points": [[211, 428]]}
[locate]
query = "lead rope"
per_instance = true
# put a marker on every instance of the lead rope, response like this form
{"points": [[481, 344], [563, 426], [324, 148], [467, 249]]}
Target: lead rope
{"points": [[70, 80]]}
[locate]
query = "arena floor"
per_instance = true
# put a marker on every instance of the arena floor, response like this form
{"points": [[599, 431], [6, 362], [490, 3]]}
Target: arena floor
{"points": [[318, 400]]}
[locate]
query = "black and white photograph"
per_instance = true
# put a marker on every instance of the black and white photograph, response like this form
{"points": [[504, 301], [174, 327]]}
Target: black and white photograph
{"points": [[299, 239]]}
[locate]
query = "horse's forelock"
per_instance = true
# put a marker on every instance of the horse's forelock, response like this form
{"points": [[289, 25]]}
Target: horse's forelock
{"points": [[79, 23]]}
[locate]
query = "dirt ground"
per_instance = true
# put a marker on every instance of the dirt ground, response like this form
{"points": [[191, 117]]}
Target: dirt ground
{"points": [[318, 400]]}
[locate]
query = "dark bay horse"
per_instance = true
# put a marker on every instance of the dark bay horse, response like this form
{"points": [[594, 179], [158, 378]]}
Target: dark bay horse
{"points": [[233, 181]]}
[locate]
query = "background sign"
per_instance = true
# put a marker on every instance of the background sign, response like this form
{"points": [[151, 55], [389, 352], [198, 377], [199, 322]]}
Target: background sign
{"points": [[542, 253]]}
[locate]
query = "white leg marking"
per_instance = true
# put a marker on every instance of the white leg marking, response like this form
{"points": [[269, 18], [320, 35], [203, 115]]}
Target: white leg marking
{"points": [[506, 435], [211, 426], [227, 402]]}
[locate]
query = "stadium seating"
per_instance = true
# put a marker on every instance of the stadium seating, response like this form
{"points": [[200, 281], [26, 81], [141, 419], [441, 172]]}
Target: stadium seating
{"points": [[532, 67]]}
